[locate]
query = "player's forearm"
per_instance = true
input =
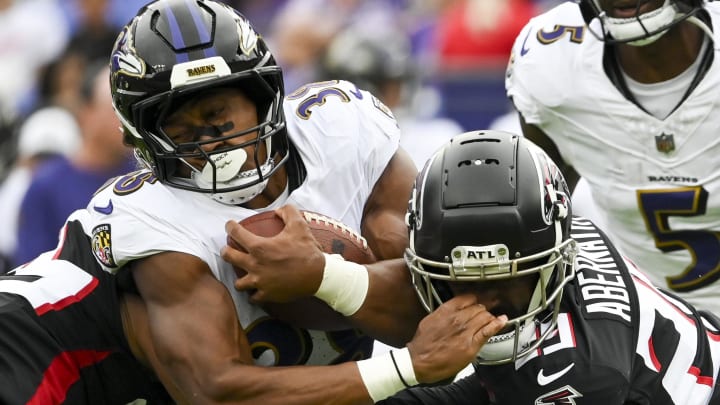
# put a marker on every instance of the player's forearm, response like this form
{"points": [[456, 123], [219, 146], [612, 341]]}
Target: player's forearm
{"points": [[378, 298], [339, 384], [363, 382], [391, 310], [241, 382]]}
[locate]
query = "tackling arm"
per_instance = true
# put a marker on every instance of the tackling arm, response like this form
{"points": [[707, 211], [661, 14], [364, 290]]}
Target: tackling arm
{"points": [[391, 309], [188, 331], [201, 353], [383, 223]]}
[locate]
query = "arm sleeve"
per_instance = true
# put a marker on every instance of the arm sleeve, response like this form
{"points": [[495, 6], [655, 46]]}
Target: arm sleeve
{"points": [[467, 391]]}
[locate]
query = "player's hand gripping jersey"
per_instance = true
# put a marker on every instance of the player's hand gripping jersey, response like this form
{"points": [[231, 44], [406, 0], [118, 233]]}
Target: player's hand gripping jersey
{"points": [[345, 137], [657, 181], [619, 340]]}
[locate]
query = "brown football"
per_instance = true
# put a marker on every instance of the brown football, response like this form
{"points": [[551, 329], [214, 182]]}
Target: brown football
{"points": [[334, 237]]}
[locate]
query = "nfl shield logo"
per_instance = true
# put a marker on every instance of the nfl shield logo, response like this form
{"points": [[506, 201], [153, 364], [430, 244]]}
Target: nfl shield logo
{"points": [[665, 143]]}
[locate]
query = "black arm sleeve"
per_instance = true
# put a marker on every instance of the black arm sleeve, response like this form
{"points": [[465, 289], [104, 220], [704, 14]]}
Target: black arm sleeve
{"points": [[468, 391]]}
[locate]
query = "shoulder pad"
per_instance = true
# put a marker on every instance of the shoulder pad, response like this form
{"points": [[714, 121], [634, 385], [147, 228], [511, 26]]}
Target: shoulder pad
{"points": [[547, 52], [339, 106]]}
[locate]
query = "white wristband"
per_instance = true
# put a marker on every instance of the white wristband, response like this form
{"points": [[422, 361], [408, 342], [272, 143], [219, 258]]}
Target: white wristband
{"points": [[385, 375], [344, 285]]}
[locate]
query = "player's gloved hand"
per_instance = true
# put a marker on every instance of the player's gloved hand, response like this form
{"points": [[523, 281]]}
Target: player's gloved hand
{"points": [[450, 337], [281, 268]]}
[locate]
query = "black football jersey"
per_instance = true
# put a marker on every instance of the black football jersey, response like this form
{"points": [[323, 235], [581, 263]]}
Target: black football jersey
{"points": [[619, 340], [61, 333]]}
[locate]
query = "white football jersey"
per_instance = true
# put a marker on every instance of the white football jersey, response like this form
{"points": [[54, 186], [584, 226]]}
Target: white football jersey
{"points": [[655, 181], [345, 138]]}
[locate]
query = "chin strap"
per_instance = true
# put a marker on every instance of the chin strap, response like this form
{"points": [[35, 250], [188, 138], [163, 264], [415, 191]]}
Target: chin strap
{"points": [[702, 25], [296, 168]]}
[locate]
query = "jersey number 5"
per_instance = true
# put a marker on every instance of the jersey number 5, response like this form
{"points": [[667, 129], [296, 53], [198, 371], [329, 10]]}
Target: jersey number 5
{"points": [[704, 246]]}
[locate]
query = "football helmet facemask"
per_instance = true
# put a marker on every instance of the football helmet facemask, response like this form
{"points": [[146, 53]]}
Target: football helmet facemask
{"points": [[644, 28], [173, 50], [490, 205]]}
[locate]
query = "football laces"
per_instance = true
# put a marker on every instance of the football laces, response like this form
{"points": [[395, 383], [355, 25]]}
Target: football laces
{"points": [[327, 221]]}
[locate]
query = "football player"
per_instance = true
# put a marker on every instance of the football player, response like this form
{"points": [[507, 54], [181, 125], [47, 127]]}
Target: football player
{"points": [[589, 327], [624, 94], [73, 333], [490, 216], [201, 100], [64, 335]]}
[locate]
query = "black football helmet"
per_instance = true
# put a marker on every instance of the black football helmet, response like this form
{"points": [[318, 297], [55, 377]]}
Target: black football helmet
{"points": [[644, 28], [490, 205], [171, 51]]}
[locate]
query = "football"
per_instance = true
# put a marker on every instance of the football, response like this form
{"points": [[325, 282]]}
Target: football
{"points": [[334, 237]]}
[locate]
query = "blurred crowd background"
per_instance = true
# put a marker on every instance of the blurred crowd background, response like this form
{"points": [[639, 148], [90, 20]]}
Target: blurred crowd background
{"points": [[439, 64]]}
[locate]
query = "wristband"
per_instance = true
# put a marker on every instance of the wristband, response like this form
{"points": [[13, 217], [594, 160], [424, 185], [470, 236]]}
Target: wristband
{"points": [[344, 284], [404, 367], [385, 375]]}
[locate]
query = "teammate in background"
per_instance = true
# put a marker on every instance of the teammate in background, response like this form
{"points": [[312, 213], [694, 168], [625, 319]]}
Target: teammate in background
{"points": [[586, 326], [583, 204], [201, 100], [629, 102], [382, 62]]}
